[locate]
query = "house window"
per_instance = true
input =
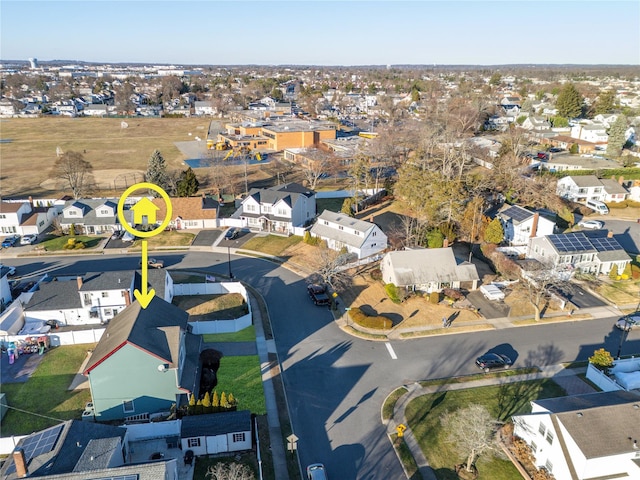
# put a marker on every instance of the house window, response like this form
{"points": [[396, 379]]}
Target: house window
{"points": [[340, 227], [250, 208], [105, 294], [549, 466], [550, 437], [193, 442], [238, 437], [128, 406], [3, 216], [93, 314], [542, 429], [107, 312], [325, 222], [282, 212], [534, 447]]}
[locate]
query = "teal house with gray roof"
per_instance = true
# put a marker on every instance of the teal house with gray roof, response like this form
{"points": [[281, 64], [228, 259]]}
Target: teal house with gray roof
{"points": [[145, 361]]}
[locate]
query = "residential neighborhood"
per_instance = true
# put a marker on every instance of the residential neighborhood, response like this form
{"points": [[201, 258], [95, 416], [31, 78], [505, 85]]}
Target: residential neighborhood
{"points": [[279, 271]]}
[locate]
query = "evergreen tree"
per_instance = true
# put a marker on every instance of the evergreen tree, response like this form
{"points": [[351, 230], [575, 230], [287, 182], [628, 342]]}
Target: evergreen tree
{"points": [[223, 401], [495, 79], [233, 402], [157, 171], [569, 103], [605, 102], [192, 405], [206, 403], [215, 403], [613, 273], [188, 184], [616, 136], [494, 232]]}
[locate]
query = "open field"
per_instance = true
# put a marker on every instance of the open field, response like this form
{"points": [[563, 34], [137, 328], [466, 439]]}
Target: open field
{"points": [[30, 148]]}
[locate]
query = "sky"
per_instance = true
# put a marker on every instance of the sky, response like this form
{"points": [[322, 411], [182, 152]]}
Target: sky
{"points": [[325, 32]]}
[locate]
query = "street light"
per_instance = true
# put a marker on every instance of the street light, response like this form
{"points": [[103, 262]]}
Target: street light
{"points": [[229, 261]]}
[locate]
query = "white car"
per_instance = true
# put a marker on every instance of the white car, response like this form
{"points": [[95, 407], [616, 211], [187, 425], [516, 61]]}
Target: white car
{"points": [[591, 224], [627, 322], [28, 239]]}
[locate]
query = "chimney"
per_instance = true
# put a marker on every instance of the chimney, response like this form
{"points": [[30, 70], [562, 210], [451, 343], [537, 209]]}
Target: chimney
{"points": [[621, 180], [609, 234], [534, 227], [127, 298], [20, 462], [79, 280], [371, 218], [31, 201], [445, 243]]}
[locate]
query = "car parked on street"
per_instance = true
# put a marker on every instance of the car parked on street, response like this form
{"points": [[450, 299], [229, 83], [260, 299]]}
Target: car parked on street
{"points": [[11, 270], [591, 224], [493, 360], [153, 263], [318, 294], [316, 471], [10, 241], [29, 239], [627, 322]]}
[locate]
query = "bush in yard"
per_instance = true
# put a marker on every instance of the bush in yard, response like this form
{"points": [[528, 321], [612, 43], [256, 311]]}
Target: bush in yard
{"points": [[79, 245], [206, 403], [72, 230], [361, 318], [626, 273], [199, 407], [635, 272], [231, 400], [192, 405], [376, 274], [392, 292], [434, 297], [215, 403], [224, 404], [601, 359], [613, 273], [453, 294]]}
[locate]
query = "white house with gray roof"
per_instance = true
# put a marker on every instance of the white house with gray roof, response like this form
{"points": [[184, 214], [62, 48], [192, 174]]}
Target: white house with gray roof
{"points": [[520, 224], [358, 237], [94, 216], [594, 251], [428, 270], [582, 437], [278, 209], [582, 188], [91, 299]]}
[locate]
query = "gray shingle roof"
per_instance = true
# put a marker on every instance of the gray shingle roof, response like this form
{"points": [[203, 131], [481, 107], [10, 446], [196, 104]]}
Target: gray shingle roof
{"points": [[612, 187], [346, 237], [415, 267], [156, 329], [289, 193], [215, 424], [55, 295], [101, 281], [189, 375], [89, 206], [587, 400]]}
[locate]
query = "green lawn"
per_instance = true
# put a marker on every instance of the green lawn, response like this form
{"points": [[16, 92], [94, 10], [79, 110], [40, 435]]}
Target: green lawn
{"points": [[166, 239], [45, 393], [271, 244], [423, 416], [58, 243], [331, 204], [241, 376], [245, 335]]}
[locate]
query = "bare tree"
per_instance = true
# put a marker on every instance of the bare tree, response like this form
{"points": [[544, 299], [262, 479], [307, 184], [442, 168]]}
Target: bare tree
{"points": [[472, 430], [537, 279], [330, 271], [230, 471], [76, 171]]}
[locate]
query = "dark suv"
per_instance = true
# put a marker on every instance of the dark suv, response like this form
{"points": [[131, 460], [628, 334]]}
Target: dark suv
{"points": [[493, 360], [318, 294]]}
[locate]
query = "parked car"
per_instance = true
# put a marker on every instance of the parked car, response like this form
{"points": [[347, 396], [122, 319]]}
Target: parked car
{"points": [[232, 234], [318, 294], [12, 270], [10, 241], [153, 263], [493, 360], [627, 322], [29, 239], [117, 234], [591, 224], [128, 237], [316, 471]]}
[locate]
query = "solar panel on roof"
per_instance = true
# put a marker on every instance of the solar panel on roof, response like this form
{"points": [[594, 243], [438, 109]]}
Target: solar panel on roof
{"points": [[39, 444], [605, 244], [517, 213], [571, 242]]}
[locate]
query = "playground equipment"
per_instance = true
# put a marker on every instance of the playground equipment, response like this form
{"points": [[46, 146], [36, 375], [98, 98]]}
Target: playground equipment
{"points": [[12, 351], [27, 346]]}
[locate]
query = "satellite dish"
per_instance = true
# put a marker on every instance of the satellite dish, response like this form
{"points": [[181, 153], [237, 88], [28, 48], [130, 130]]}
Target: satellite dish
{"points": [[162, 367]]}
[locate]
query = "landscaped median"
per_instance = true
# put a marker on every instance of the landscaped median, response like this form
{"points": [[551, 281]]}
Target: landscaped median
{"points": [[426, 413]]}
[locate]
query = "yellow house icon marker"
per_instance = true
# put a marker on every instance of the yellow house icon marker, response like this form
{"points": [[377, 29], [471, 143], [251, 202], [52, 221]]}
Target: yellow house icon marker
{"points": [[144, 212]]}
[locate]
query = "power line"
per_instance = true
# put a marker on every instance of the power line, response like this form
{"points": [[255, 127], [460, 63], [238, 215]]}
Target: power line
{"points": [[36, 414]]}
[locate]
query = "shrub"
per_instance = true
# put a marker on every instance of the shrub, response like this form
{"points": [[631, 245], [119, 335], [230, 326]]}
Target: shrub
{"points": [[601, 359], [613, 273], [377, 323], [376, 274], [626, 273], [392, 292], [635, 272], [79, 245], [434, 297], [453, 294]]}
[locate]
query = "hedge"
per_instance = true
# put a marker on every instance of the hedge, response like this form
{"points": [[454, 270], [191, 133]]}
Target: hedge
{"points": [[379, 322]]}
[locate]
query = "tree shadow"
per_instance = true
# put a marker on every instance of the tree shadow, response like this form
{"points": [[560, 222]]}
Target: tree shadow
{"points": [[543, 355]]}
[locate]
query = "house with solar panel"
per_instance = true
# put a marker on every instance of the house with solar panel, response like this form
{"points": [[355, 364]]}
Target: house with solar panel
{"points": [[594, 252], [580, 437], [77, 450], [358, 237], [520, 224], [145, 361]]}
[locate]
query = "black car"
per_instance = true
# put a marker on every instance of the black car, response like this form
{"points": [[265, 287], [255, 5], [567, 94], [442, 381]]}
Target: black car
{"points": [[493, 360], [318, 294], [231, 234]]}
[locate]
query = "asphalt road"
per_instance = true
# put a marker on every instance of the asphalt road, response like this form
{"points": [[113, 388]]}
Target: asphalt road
{"points": [[335, 383]]}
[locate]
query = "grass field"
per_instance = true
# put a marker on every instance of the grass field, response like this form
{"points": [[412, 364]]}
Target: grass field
{"points": [[241, 376], [245, 335], [166, 239], [44, 399], [271, 244], [423, 416], [29, 148], [58, 243]]}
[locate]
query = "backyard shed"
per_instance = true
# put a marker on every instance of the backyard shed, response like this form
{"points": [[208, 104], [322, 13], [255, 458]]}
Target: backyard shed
{"points": [[216, 432]]}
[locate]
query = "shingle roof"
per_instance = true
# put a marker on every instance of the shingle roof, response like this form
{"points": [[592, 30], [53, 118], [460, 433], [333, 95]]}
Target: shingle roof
{"points": [[10, 207], [55, 295], [612, 187], [346, 237], [415, 267], [189, 374], [101, 281], [155, 329], [289, 193], [188, 208], [587, 400], [215, 424]]}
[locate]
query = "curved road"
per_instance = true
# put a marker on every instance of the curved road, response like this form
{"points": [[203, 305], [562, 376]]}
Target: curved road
{"points": [[335, 383]]}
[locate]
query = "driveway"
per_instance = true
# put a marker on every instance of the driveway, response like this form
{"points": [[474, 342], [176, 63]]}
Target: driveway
{"points": [[206, 238], [488, 308], [580, 297]]}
